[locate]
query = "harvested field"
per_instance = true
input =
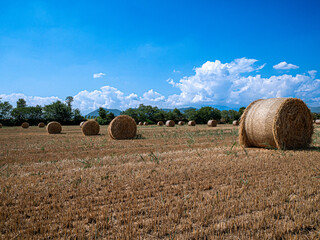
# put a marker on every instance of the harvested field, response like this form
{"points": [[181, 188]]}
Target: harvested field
{"points": [[168, 183]]}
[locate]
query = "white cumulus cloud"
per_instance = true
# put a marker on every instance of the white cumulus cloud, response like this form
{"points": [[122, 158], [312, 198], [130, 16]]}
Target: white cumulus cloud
{"points": [[31, 100], [98, 75], [285, 66]]}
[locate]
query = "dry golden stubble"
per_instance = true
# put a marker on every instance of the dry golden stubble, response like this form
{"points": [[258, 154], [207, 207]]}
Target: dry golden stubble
{"points": [[122, 127], [160, 123], [191, 123], [283, 123], [90, 128], [41, 125], [181, 123], [54, 127], [212, 123], [170, 123], [25, 125]]}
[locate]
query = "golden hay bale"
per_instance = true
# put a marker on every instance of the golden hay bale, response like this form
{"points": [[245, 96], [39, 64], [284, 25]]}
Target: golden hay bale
{"points": [[41, 125], [25, 125], [160, 123], [54, 127], [181, 123], [191, 123], [170, 123], [0, 125], [235, 123], [317, 122], [145, 123], [283, 123], [212, 123], [90, 127], [122, 127], [140, 123], [81, 124]]}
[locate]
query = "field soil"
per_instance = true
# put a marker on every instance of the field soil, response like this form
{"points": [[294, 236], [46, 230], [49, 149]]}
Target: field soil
{"points": [[170, 183]]}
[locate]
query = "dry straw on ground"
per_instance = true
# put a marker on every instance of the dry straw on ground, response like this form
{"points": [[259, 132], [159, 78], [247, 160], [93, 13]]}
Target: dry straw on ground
{"points": [[140, 123], [160, 123], [191, 123], [212, 123], [170, 123], [41, 125], [235, 123], [317, 121], [283, 123], [90, 128], [54, 127], [181, 123], [122, 127], [25, 125], [145, 123], [81, 124]]}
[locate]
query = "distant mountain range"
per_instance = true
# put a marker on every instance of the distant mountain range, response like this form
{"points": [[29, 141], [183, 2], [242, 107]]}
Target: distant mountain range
{"points": [[315, 109]]}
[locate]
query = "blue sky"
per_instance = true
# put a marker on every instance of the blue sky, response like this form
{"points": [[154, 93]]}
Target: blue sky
{"points": [[163, 53]]}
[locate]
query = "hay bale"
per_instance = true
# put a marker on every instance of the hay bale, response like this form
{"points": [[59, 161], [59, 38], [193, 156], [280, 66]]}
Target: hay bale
{"points": [[0, 125], [181, 123], [54, 127], [140, 123], [170, 123], [283, 123], [122, 127], [25, 125], [90, 128], [81, 124], [145, 124], [235, 123], [41, 125], [191, 123], [160, 123], [212, 123], [317, 122]]}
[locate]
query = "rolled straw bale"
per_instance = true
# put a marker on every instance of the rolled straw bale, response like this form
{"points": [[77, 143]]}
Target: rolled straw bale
{"points": [[160, 123], [145, 123], [191, 123], [81, 124], [181, 123], [140, 123], [41, 125], [222, 121], [25, 125], [212, 123], [170, 123], [283, 123], [317, 121], [0, 125], [54, 127], [122, 127], [235, 123], [90, 128]]}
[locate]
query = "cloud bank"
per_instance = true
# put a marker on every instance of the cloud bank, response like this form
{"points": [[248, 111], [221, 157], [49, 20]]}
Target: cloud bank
{"points": [[234, 84]]}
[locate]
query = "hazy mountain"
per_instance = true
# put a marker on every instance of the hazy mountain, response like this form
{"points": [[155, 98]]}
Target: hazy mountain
{"points": [[315, 109], [95, 113]]}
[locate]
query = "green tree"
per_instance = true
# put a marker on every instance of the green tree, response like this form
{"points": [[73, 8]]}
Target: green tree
{"points": [[102, 113], [57, 111], [77, 115], [5, 110], [69, 101], [204, 114], [241, 110], [21, 103]]}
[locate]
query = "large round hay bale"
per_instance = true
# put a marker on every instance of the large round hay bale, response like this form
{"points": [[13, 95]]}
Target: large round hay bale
{"points": [[81, 124], [41, 125], [170, 123], [212, 123], [145, 124], [140, 123], [283, 123], [235, 123], [317, 122], [160, 123], [90, 128], [25, 125], [191, 123], [0, 125], [181, 123], [54, 127], [122, 127]]}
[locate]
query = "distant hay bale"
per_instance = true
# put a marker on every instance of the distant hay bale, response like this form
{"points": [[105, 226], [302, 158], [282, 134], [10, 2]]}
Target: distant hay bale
{"points": [[283, 123], [222, 121], [160, 123], [122, 127], [317, 122], [90, 128], [81, 124], [54, 127], [0, 125], [170, 123], [235, 123], [191, 123], [145, 124], [212, 123], [140, 123], [41, 125], [181, 123], [25, 125]]}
